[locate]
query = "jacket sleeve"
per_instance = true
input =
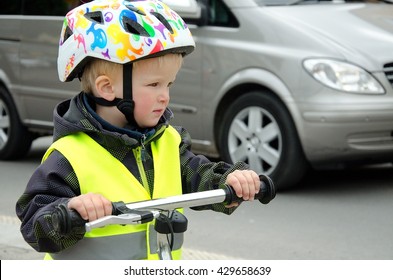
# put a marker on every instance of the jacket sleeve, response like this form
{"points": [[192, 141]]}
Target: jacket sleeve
{"points": [[53, 183], [201, 174]]}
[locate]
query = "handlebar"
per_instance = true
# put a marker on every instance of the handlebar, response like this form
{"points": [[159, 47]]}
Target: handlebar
{"points": [[65, 220]]}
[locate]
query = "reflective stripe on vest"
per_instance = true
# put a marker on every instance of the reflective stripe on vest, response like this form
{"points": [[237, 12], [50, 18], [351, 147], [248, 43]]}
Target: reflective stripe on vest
{"points": [[109, 177]]}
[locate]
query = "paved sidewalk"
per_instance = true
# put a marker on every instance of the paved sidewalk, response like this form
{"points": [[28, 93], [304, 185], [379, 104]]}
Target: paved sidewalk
{"points": [[13, 247]]}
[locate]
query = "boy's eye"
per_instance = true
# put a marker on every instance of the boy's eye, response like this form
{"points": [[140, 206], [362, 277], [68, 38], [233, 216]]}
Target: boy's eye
{"points": [[156, 84]]}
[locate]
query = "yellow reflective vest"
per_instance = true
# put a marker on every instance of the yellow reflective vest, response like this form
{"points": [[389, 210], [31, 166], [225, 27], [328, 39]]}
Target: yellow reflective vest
{"points": [[99, 172]]}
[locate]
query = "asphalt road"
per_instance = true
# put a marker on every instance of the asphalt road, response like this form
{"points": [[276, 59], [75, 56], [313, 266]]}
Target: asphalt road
{"points": [[342, 214]]}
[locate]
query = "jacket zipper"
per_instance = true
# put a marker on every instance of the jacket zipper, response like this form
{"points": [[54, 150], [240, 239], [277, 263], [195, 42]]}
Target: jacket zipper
{"points": [[143, 139], [139, 154]]}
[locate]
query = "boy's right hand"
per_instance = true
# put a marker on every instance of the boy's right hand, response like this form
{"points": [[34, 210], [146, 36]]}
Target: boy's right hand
{"points": [[91, 206]]}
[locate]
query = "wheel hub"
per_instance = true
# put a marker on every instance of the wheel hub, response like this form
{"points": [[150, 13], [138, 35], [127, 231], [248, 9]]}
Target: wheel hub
{"points": [[253, 143]]}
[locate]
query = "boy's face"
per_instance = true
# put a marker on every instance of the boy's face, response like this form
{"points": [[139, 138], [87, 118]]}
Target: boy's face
{"points": [[150, 87]]}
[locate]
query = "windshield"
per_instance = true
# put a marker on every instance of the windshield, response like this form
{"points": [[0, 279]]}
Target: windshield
{"points": [[309, 2]]}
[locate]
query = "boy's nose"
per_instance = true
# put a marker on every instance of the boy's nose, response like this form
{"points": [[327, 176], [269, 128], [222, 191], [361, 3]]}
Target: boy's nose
{"points": [[164, 96]]}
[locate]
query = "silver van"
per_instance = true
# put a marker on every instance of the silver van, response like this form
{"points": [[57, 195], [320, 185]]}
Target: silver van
{"points": [[29, 83], [283, 85]]}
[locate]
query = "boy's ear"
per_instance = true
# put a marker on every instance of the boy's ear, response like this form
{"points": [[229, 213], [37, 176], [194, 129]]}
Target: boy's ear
{"points": [[104, 87]]}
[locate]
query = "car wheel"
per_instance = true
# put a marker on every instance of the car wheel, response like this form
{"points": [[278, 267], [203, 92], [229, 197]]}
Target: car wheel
{"points": [[258, 130], [15, 139]]}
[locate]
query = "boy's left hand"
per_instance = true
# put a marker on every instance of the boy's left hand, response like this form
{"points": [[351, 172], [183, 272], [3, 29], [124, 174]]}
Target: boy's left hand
{"points": [[245, 183]]}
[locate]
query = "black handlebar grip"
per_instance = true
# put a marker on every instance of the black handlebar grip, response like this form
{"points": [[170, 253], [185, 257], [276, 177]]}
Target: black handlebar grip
{"points": [[266, 192], [64, 220]]}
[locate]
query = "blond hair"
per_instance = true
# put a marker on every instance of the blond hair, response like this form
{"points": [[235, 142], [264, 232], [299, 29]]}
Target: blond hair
{"points": [[96, 68]]}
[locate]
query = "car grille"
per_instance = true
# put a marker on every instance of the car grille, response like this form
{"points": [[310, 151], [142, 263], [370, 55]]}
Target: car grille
{"points": [[388, 69]]}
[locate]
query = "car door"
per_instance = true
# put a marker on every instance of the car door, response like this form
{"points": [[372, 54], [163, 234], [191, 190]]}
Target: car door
{"points": [[40, 32], [196, 93], [186, 101]]}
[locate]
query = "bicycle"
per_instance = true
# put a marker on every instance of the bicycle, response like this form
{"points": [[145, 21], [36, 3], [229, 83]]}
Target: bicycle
{"points": [[167, 219]]}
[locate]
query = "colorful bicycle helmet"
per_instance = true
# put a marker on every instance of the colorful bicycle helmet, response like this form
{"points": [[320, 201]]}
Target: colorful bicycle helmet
{"points": [[119, 31]]}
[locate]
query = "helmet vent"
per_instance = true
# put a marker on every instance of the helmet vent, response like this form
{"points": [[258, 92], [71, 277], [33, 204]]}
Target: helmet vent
{"points": [[67, 34], [133, 27], [136, 10], [95, 17], [163, 20]]}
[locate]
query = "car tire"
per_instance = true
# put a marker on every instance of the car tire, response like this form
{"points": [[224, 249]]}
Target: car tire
{"points": [[15, 139], [258, 130]]}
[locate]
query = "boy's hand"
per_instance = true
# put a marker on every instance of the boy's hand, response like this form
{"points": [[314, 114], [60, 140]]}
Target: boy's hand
{"points": [[245, 183], [91, 206]]}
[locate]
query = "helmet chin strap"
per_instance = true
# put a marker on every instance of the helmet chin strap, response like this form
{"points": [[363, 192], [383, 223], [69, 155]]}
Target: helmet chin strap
{"points": [[127, 105]]}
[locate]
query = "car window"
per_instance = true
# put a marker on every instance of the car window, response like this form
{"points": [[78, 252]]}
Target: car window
{"points": [[220, 15], [306, 2], [38, 7], [49, 7], [10, 7]]}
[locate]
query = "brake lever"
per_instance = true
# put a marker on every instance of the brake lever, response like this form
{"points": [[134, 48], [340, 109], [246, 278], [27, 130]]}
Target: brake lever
{"points": [[123, 219]]}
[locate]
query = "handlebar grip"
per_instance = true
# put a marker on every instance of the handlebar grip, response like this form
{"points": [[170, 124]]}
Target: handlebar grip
{"points": [[64, 220], [266, 192]]}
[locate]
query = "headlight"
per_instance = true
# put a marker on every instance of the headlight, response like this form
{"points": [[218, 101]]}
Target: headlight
{"points": [[343, 76]]}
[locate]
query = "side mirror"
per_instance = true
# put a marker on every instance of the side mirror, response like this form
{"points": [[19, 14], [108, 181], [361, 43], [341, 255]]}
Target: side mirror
{"points": [[190, 10]]}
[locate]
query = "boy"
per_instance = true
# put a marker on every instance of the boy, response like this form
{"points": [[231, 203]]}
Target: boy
{"points": [[113, 141]]}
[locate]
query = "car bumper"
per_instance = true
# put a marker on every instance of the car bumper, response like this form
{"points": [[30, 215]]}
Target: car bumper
{"points": [[348, 132]]}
